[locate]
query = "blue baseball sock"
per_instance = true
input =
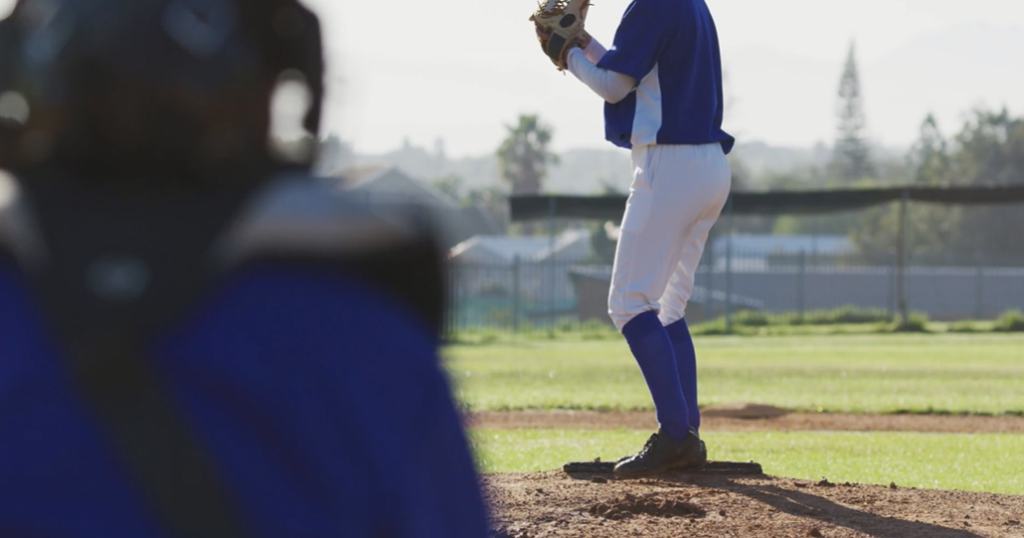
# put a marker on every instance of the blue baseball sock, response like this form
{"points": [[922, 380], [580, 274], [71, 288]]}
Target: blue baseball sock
{"points": [[652, 348], [686, 364]]}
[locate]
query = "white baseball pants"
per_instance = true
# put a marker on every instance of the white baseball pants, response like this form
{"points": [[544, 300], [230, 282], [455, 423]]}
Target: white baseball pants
{"points": [[677, 194]]}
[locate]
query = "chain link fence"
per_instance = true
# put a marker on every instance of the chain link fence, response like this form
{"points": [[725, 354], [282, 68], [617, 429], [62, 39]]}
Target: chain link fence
{"points": [[951, 253], [522, 295]]}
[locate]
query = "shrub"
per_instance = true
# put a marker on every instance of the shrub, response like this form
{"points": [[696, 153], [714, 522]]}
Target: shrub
{"points": [[488, 337], [964, 327], [751, 318], [596, 325], [744, 320], [713, 327], [565, 326], [593, 329], [916, 322], [790, 318], [1011, 321], [849, 314]]}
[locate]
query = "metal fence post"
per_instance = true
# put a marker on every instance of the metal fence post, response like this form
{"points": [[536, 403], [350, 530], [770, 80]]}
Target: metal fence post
{"points": [[979, 292], [728, 269], [802, 284], [515, 293], [893, 270], [902, 248], [552, 211], [710, 284]]}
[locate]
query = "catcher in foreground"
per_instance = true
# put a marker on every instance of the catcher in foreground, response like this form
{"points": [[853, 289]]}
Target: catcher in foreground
{"points": [[662, 86], [200, 339]]}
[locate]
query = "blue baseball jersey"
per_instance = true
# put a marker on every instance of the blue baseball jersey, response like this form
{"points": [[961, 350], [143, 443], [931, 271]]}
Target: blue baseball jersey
{"points": [[319, 398], [671, 48]]}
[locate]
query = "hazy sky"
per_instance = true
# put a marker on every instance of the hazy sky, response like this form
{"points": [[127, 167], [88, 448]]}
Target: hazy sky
{"points": [[460, 71]]}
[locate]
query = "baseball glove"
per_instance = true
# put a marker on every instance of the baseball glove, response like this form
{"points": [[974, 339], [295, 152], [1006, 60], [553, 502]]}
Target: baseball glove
{"points": [[560, 28]]}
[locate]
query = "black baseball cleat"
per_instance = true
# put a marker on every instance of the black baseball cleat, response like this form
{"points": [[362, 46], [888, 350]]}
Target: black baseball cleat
{"points": [[662, 453]]}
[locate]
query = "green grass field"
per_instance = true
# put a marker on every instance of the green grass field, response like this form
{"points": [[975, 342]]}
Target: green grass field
{"points": [[991, 463], [870, 373]]}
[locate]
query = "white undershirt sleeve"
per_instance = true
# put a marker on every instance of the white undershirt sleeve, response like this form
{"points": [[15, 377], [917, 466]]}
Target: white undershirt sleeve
{"points": [[595, 50], [611, 86]]}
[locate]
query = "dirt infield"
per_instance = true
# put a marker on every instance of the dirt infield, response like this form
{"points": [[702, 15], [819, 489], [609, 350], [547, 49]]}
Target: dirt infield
{"points": [[554, 504], [643, 420]]}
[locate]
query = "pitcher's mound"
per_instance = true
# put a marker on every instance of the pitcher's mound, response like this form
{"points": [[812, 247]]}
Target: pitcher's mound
{"points": [[556, 504], [710, 468], [743, 410]]}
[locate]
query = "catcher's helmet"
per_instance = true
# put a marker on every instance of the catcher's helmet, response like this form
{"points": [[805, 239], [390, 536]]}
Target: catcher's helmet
{"points": [[121, 88]]}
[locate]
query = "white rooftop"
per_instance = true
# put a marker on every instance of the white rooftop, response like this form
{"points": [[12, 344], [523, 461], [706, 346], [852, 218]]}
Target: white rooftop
{"points": [[785, 244], [530, 248]]}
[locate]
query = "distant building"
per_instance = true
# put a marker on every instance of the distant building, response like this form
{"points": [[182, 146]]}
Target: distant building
{"points": [[754, 252], [495, 267], [786, 244], [384, 184], [571, 246], [498, 250], [390, 186]]}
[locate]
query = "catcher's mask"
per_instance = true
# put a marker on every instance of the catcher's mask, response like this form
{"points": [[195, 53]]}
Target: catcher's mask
{"points": [[123, 88]]}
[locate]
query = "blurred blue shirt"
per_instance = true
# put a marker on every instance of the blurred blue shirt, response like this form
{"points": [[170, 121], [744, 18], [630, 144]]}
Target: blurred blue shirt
{"points": [[320, 399]]}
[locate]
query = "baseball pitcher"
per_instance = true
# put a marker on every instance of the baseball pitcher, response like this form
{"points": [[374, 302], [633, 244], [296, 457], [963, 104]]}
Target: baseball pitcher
{"points": [[662, 85]]}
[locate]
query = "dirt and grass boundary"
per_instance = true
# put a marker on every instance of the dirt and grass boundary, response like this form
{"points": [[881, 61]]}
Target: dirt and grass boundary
{"points": [[644, 420]]}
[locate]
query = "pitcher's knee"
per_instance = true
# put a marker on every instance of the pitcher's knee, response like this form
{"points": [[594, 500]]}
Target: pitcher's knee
{"points": [[621, 315], [668, 316]]}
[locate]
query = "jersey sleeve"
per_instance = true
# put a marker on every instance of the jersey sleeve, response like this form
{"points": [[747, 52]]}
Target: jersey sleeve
{"points": [[640, 39]]}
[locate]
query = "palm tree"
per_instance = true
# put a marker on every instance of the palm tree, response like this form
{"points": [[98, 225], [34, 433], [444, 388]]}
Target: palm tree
{"points": [[523, 156]]}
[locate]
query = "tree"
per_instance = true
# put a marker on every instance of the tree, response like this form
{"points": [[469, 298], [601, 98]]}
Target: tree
{"points": [[988, 150], [930, 155], [991, 149], [931, 227], [523, 156], [851, 158]]}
